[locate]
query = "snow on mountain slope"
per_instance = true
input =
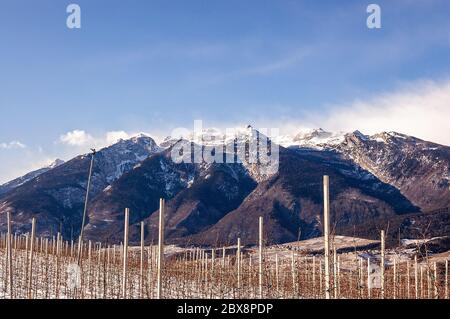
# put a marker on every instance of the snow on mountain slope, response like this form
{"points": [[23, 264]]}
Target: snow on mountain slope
{"points": [[57, 196], [5, 188], [419, 169], [313, 138], [246, 143]]}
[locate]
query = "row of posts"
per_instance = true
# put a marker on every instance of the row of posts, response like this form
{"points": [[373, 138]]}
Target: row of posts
{"points": [[160, 253]]}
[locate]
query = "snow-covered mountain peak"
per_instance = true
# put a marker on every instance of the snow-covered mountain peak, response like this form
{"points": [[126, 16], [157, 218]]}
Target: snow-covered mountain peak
{"points": [[387, 137], [214, 136], [140, 143], [312, 138], [56, 163]]}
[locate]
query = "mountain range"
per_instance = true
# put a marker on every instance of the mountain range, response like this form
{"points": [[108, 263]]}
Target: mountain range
{"points": [[387, 180]]}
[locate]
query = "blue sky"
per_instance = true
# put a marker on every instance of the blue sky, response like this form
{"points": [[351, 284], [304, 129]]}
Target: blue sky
{"points": [[153, 65]]}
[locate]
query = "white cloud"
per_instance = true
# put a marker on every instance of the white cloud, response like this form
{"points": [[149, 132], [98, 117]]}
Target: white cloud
{"points": [[115, 136], [76, 138], [12, 145], [420, 109], [82, 139]]}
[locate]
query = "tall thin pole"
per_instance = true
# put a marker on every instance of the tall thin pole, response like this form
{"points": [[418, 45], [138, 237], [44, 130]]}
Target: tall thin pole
{"points": [[382, 263], [394, 288], [326, 232], [335, 276], [277, 274], [416, 277], [260, 257], [408, 281], [141, 275], [446, 279], [213, 261], [160, 248], [435, 282], [238, 260], [9, 248], [293, 277], [86, 200], [30, 266], [314, 275], [125, 254], [421, 282], [369, 279]]}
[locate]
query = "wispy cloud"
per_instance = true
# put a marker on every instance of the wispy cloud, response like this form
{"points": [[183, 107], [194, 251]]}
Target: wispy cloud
{"points": [[12, 145], [276, 65], [268, 67], [80, 138]]}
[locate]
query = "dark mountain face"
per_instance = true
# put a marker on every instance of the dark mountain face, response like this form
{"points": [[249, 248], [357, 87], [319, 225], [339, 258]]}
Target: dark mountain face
{"points": [[419, 169], [219, 189], [56, 197], [291, 201], [140, 191]]}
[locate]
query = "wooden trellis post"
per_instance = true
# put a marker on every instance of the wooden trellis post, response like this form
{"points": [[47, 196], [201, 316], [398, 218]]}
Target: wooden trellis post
{"points": [[416, 278], [141, 273], [260, 257], [57, 266], [382, 263], [314, 275], [213, 261], [369, 283], [435, 282], [338, 276], [238, 260], [277, 274], [250, 270], [160, 249], [125, 254], [446, 279], [223, 257], [394, 288], [326, 232], [30, 266], [320, 276], [89, 250], [335, 276], [9, 255], [408, 280], [294, 286], [25, 264], [360, 278]]}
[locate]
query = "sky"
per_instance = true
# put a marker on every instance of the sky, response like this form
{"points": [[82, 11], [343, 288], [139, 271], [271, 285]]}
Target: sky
{"points": [[154, 65]]}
